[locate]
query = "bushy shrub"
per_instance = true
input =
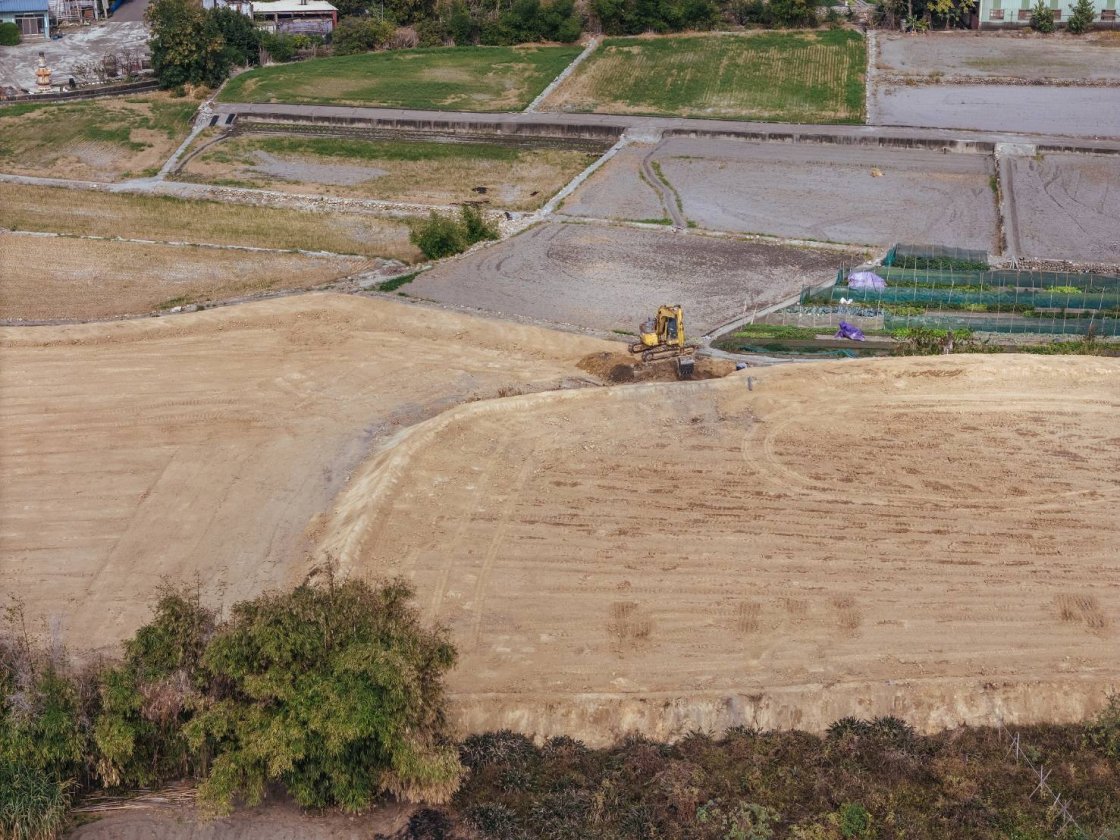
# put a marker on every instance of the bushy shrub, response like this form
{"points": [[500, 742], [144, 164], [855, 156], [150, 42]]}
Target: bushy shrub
{"points": [[149, 698], [442, 236], [280, 47], [43, 738], [633, 17], [334, 692], [1042, 17], [1082, 14], [361, 34], [9, 35], [793, 13]]}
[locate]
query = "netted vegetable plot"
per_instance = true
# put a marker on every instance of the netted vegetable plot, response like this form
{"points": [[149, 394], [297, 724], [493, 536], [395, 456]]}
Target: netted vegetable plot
{"points": [[952, 289]]}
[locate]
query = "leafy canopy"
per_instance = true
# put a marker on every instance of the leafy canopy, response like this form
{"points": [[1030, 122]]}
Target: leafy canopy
{"points": [[335, 692]]}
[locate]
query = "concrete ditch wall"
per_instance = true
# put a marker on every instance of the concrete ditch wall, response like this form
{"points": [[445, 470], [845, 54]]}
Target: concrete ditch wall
{"points": [[487, 129]]}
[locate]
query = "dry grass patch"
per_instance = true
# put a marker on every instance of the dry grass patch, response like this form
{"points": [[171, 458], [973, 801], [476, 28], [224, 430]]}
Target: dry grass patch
{"points": [[48, 278], [187, 220], [102, 140], [413, 171]]}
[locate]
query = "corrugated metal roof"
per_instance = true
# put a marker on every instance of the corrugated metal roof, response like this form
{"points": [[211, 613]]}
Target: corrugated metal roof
{"points": [[16, 6], [291, 7]]}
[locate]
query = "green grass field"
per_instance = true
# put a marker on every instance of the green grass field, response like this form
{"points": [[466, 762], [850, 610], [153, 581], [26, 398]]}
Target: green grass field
{"points": [[446, 79], [802, 77]]}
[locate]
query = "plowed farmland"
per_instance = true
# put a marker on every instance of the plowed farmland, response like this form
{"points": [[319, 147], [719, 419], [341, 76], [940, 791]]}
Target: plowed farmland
{"points": [[933, 538], [201, 446], [928, 538]]}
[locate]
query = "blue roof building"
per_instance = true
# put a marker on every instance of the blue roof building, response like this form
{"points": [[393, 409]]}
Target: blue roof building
{"points": [[33, 17]]}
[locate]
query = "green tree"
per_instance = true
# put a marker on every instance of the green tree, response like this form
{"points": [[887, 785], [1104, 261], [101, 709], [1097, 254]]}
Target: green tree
{"points": [[1042, 17], [1081, 16], [186, 46], [241, 36], [335, 692]]}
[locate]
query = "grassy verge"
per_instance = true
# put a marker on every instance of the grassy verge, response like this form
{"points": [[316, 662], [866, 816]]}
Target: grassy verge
{"points": [[804, 77], [105, 139], [454, 78], [414, 171], [175, 219]]}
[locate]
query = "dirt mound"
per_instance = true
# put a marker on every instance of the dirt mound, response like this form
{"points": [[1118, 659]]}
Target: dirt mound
{"points": [[618, 368], [917, 537]]}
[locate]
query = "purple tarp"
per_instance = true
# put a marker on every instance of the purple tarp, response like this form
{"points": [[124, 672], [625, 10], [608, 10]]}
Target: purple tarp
{"points": [[849, 331]]}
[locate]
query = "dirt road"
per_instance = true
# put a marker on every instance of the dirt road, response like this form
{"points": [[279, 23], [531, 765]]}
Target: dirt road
{"points": [[932, 538], [203, 445]]}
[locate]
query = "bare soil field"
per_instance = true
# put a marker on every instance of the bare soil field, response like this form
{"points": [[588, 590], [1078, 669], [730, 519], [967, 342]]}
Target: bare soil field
{"points": [[603, 277], [933, 538], [1071, 111], [413, 171], [203, 445], [619, 190], [1066, 207], [87, 213], [1001, 55], [850, 194], [99, 140], [60, 278]]}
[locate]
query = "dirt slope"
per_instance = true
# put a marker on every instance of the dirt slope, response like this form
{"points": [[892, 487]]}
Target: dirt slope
{"points": [[934, 538], [204, 444]]}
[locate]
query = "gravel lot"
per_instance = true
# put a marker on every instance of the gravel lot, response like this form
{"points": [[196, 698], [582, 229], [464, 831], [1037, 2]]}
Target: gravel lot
{"points": [[1079, 112], [610, 278], [993, 55], [1066, 207], [827, 193], [17, 64]]}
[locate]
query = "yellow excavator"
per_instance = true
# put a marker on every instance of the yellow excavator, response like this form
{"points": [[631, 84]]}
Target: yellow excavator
{"points": [[662, 337]]}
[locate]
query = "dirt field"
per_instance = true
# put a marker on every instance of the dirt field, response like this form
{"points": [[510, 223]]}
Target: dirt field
{"points": [[778, 76], [931, 538], [610, 278], [87, 213], [204, 444], [1073, 111], [1066, 207], [99, 140], [412, 171], [618, 190], [991, 55], [57, 278], [849, 194]]}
